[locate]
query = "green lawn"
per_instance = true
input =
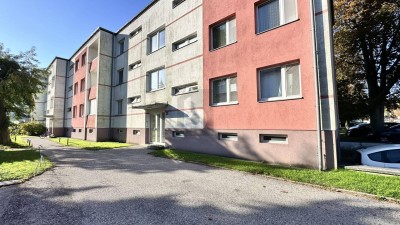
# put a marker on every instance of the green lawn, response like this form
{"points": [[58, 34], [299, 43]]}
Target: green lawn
{"points": [[382, 186], [89, 145], [17, 142], [21, 164]]}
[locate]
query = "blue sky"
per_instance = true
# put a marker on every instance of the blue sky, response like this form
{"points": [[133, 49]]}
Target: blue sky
{"points": [[59, 27]]}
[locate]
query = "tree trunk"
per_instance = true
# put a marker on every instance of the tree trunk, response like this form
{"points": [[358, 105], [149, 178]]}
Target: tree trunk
{"points": [[377, 117], [4, 123]]}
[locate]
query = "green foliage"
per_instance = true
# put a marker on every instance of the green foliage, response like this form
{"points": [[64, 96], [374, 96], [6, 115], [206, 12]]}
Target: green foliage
{"points": [[385, 186], [33, 128], [367, 52], [21, 164], [20, 80], [89, 145]]}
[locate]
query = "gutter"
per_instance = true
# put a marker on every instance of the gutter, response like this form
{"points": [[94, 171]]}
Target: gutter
{"points": [[317, 85], [111, 88]]}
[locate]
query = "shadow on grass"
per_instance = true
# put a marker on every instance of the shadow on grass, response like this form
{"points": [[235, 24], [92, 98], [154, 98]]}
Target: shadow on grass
{"points": [[10, 156]]}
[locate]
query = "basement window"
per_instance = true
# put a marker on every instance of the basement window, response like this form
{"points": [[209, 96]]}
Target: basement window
{"points": [[228, 136], [136, 132], [274, 138]]}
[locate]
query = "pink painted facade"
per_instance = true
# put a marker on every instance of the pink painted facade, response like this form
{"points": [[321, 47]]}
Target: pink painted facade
{"points": [[78, 98], [289, 43]]}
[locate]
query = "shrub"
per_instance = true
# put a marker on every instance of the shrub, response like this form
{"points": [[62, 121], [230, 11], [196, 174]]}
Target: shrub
{"points": [[33, 128]]}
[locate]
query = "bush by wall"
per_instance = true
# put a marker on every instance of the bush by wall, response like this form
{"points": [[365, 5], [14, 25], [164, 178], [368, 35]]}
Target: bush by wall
{"points": [[32, 128]]}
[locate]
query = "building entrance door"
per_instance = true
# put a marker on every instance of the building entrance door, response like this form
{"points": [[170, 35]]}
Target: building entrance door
{"points": [[157, 128]]}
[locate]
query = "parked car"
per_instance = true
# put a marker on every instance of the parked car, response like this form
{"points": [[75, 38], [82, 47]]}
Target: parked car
{"points": [[365, 130], [387, 156], [391, 135], [359, 130]]}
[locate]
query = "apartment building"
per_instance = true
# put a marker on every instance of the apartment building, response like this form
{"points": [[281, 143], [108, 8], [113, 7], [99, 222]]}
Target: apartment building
{"points": [[250, 79]]}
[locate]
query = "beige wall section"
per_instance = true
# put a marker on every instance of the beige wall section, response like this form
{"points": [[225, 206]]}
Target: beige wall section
{"points": [[183, 66], [56, 95]]}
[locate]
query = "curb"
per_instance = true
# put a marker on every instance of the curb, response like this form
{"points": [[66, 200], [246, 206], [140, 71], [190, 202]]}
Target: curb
{"points": [[332, 189], [10, 182]]}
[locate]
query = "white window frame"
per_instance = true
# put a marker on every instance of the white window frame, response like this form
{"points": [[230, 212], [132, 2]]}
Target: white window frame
{"points": [[119, 105], [227, 25], [184, 42], [228, 91], [135, 99], [283, 82], [274, 138], [121, 46], [148, 80], [135, 65], [281, 15], [230, 137], [185, 89], [156, 33], [135, 32]]}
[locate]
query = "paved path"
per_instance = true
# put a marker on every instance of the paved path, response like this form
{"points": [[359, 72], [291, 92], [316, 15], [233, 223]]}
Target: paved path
{"points": [[131, 187]]}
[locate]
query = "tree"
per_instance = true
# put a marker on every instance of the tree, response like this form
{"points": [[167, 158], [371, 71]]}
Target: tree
{"points": [[367, 46], [20, 80]]}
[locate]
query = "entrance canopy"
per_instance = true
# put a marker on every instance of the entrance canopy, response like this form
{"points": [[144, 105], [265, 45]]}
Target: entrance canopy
{"points": [[151, 106]]}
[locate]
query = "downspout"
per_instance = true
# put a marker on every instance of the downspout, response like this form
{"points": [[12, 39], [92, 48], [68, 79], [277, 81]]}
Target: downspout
{"points": [[317, 85], [111, 87], [65, 95]]}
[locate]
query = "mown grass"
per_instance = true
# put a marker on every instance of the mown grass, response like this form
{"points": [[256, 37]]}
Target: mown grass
{"points": [[89, 145], [21, 164], [382, 186], [16, 142]]}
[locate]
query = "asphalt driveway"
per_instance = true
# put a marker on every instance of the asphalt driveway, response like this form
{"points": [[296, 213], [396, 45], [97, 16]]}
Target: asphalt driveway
{"points": [[128, 186]]}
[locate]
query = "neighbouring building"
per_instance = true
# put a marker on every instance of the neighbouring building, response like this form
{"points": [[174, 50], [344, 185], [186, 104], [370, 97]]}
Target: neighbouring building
{"points": [[247, 79]]}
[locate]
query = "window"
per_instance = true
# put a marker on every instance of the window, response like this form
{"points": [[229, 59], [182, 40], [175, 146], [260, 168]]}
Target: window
{"points": [[136, 132], [377, 156], [71, 66], [179, 134], [185, 89], [92, 107], [119, 107], [280, 83], [223, 34], [77, 65], [135, 99], [74, 130], [83, 85], [224, 91], [74, 113], [393, 156], [274, 138], [156, 41], [80, 130], [70, 88], [90, 131], [120, 76], [121, 45], [81, 110], [275, 13], [69, 109], [83, 59], [135, 65], [156, 80], [184, 42], [227, 136], [175, 3], [135, 32], [76, 88]]}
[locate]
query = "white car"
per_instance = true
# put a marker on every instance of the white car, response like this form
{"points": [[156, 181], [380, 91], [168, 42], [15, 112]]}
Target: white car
{"points": [[387, 156]]}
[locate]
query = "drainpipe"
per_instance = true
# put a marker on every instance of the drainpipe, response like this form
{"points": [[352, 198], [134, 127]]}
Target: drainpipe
{"points": [[317, 85], [111, 86], [65, 95]]}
